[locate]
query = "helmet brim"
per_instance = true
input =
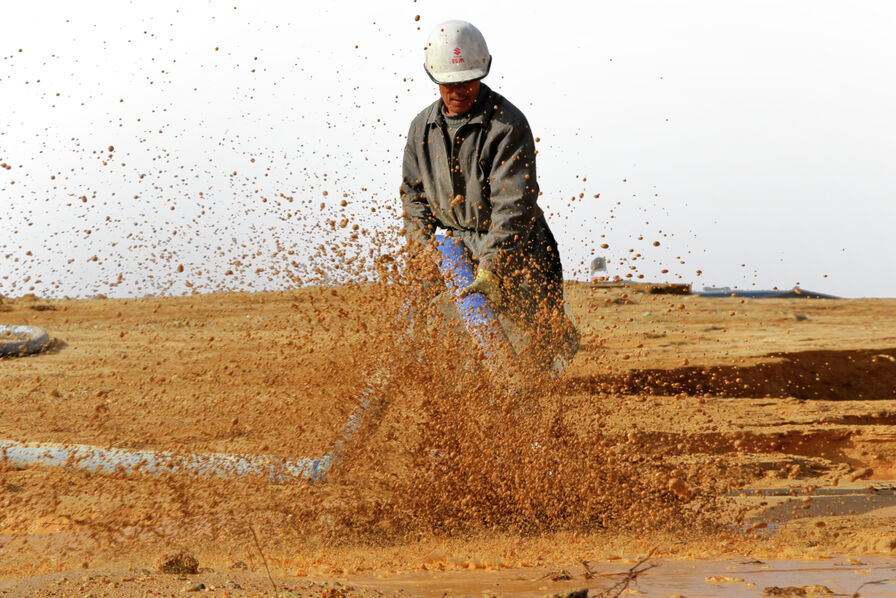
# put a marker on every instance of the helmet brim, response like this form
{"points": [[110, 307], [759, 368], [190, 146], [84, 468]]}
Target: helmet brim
{"points": [[457, 77]]}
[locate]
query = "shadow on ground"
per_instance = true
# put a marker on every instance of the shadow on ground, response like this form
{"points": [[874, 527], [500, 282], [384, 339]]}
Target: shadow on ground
{"points": [[826, 375]]}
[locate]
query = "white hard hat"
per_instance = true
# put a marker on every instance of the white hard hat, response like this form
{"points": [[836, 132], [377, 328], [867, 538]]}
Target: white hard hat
{"points": [[456, 53]]}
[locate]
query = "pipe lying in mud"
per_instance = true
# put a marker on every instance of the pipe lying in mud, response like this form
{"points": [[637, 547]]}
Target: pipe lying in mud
{"points": [[127, 461], [97, 459], [479, 317], [277, 470]]}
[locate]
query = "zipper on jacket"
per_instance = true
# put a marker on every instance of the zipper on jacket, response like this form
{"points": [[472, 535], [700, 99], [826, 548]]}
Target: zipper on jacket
{"points": [[452, 158]]}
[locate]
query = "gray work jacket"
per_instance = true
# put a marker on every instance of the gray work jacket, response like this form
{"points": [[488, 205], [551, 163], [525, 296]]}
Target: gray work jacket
{"points": [[484, 182]]}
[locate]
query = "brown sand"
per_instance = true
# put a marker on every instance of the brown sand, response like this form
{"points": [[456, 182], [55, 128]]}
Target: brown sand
{"points": [[674, 408]]}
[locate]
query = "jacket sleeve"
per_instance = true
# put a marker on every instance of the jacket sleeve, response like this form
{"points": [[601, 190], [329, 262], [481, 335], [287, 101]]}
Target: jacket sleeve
{"points": [[514, 195], [419, 222]]}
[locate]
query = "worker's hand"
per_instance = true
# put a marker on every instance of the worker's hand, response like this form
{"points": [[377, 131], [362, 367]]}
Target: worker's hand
{"points": [[488, 284]]}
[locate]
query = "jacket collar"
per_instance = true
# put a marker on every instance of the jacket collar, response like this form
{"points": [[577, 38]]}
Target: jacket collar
{"points": [[482, 110]]}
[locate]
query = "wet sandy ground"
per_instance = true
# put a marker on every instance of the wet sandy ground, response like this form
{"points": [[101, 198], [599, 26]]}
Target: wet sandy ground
{"points": [[780, 411], [867, 576]]}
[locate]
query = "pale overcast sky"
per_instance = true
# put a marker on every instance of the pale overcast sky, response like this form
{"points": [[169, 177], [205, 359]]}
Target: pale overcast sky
{"points": [[755, 141]]}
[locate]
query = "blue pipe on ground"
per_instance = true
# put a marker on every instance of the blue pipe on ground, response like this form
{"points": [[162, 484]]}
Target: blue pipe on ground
{"points": [[479, 317], [113, 460]]}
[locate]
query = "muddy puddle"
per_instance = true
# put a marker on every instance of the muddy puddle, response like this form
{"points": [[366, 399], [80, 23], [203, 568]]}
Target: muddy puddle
{"points": [[750, 577]]}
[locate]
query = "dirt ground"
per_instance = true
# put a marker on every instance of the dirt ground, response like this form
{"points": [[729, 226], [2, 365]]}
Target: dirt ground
{"points": [[736, 444]]}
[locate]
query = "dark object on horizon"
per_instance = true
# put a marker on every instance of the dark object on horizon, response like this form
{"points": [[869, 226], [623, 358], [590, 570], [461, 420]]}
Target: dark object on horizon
{"points": [[794, 293], [648, 288], [600, 277]]}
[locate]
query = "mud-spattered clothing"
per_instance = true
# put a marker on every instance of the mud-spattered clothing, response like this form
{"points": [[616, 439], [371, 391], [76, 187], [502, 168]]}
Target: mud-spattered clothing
{"points": [[480, 185]]}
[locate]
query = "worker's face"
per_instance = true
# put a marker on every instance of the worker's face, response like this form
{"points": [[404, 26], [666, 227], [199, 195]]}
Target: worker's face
{"points": [[460, 97]]}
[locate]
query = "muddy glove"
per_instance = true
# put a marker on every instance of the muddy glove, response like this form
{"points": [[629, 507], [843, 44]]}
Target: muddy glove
{"points": [[488, 284]]}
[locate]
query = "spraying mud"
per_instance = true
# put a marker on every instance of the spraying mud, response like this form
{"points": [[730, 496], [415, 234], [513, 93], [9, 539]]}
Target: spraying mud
{"points": [[685, 429], [675, 431]]}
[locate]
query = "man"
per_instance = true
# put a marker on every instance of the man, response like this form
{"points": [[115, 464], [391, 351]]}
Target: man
{"points": [[469, 167]]}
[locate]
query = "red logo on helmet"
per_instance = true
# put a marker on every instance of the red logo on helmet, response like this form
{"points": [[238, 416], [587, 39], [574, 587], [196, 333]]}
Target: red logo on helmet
{"points": [[457, 51]]}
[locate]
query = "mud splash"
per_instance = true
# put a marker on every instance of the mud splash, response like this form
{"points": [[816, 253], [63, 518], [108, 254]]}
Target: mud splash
{"points": [[444, 454]]}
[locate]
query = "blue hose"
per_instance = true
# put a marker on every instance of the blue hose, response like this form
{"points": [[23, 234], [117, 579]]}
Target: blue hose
{"points": [[476, 310], [478, 315], [97, 459]]}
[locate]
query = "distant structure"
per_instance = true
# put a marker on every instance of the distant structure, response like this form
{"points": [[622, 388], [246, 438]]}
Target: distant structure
{"points": [[599, 270], [794, 293], [600, 277]]}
